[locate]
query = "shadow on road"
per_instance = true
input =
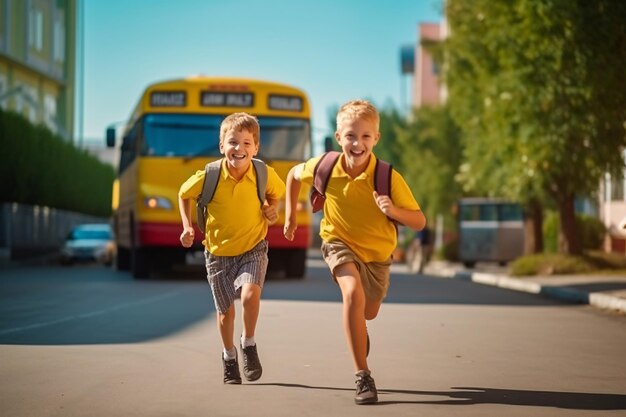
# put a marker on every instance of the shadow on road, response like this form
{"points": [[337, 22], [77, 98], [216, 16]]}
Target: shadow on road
{"points": [[405, 288], [479, 395], [93, 305]]}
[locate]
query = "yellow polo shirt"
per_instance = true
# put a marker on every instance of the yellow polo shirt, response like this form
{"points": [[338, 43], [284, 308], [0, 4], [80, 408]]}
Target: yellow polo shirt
{"points": [[235, 223], [351, 214]]}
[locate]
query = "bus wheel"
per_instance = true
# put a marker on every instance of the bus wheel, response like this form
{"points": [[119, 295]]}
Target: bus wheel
{"points": [[122, 259], [295, 263], [276, 263], [140, 266]]}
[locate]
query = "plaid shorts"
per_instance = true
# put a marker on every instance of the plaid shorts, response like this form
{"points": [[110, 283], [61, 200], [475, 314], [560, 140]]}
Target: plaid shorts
{"points": [[227, 274], [374, 275]]}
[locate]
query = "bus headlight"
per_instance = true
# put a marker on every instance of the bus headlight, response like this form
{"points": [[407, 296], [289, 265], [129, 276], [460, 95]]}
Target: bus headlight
{"points": [[157, 202]]}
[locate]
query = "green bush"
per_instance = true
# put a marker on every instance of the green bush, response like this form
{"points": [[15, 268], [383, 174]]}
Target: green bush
{"points": [[555, 263], [40, 168], [549, 264], [590, 230]]}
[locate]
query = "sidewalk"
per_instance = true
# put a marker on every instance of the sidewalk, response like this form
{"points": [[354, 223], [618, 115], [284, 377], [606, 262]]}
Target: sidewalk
{"points": [[602, 291]]}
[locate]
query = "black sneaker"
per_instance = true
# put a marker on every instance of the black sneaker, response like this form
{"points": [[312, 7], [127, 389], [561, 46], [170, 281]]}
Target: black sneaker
{"points": [[252, 369], [365, 389], [231, 371]]}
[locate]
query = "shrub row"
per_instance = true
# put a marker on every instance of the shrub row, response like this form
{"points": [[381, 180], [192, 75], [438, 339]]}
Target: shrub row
{"points": [[38, 167], [591, 232]]}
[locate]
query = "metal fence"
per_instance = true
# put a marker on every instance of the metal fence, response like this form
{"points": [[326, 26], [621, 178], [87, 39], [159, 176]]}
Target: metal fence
{"points": [[27, 231]]}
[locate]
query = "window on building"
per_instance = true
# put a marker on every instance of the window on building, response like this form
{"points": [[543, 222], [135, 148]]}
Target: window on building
{"points": [[617, 189], [35, 28], [59, 39], [435, 68], [50, 112]]}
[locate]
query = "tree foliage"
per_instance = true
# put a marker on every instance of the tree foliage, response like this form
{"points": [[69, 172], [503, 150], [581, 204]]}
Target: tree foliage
{"points": [[537, 89]]}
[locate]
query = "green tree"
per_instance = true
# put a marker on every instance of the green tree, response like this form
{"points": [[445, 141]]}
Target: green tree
{"points": [[430, 154], [537, 88]]}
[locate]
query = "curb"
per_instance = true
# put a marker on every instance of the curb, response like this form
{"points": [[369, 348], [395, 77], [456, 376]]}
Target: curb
{"points": [[569, 294]]}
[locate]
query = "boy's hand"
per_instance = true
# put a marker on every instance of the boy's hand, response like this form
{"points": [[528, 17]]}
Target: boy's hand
{"points": [[289, 229], [186, 238], [270, 213], [384, 203]]}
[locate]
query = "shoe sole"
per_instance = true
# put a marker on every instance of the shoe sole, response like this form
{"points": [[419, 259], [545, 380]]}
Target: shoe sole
{"points": [[253, 378], [366, 401], [233, 382]]}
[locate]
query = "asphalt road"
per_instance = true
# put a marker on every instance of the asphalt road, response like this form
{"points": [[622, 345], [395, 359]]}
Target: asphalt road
{"points": [[89, 341]]}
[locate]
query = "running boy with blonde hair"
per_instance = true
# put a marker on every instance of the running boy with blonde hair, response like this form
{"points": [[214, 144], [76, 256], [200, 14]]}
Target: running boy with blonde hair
{"points": [[235, 245], [358, 236]]}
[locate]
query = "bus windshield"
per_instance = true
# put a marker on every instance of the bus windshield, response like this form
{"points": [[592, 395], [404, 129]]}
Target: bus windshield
{"points": [[194, 135]]}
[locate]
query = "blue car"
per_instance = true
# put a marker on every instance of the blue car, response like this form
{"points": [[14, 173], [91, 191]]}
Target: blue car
{"points": [[89, 242]]}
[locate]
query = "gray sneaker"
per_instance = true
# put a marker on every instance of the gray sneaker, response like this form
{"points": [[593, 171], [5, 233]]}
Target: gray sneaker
{"points": [[231, 371], [365, 389], [252, 368]]}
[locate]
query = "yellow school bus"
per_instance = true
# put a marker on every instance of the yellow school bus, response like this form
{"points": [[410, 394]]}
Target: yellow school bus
{"points": [[173, 132]]}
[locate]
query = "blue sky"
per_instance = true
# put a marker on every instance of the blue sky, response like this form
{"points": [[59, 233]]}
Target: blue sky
{"points": [[335, 50]]}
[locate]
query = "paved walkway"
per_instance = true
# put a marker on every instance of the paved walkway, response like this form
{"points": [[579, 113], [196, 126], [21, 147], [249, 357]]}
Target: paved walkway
{"points": [[602, 291]]}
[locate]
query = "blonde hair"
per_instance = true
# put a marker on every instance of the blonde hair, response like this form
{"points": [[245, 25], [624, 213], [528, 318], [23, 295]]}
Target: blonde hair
{"points": [[238, 122], [358, 109]]}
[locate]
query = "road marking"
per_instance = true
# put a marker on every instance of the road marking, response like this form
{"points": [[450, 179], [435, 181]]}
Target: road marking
{"points": [[91, 314]]}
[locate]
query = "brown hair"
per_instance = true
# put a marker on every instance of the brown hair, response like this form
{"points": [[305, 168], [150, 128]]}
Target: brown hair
{"points": [[238, 122]]}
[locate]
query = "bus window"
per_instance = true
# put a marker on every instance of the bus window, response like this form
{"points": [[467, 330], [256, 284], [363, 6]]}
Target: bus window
{"points": [[510, 212], [129, 147], [172, 135], [479, 212], [284, 139]]}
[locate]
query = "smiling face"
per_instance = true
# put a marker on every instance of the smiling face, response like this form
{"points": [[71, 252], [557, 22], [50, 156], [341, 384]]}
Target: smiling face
{"points": [[238, 148], [357, 137]]}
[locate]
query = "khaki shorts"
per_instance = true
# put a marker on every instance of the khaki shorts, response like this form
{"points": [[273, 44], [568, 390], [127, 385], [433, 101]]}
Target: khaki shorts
{"points": [[374, 275]]}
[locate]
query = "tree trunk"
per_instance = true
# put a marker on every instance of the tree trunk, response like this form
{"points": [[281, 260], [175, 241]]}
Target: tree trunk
{"points": [[533, 228], [568, 235]]}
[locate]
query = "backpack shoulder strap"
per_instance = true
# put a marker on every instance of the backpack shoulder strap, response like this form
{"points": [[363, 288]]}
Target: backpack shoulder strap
{"points": [[211, 177], [260, 168], [382, 177], [382, 181], [323, 169]]}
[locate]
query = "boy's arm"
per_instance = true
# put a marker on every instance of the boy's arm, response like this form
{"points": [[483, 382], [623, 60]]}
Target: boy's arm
{"points": [[187, 236], [414, 219], [291, 201]]}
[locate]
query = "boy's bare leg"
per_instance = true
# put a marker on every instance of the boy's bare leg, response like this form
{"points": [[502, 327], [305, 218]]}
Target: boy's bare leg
{"points": [[251, 303], [226, 326], [372, 308], [250, 300], [349, 280]]}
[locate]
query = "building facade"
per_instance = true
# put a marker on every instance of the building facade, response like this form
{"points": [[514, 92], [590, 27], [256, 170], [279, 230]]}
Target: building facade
{"points": [[38, 61], [427, 87], [612, 211]]}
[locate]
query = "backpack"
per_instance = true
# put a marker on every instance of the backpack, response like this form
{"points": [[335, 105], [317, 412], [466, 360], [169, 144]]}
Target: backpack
{"points": [[323, 169], [211, 177]]}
